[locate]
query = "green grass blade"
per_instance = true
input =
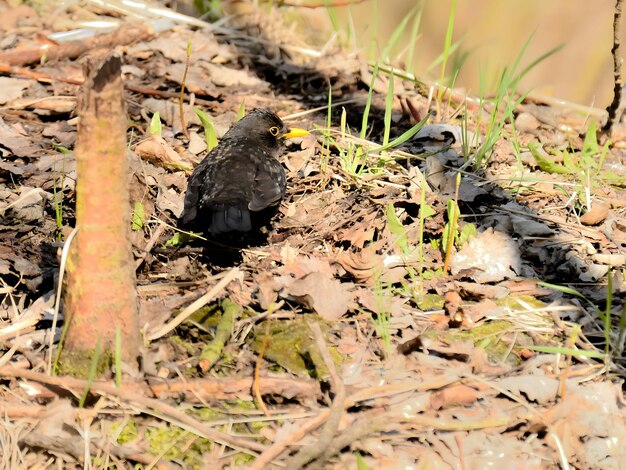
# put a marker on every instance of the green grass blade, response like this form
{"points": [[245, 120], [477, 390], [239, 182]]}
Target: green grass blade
{"points": [[440, 58], [360, 462], [241, 112], [397, 229], [139, 217], [607, 312], [406, 135], [368, 103], [210, 134], [413, 36], [567, 351], [155, 125], [397, 33], [118, 357], [388, 109], [538, 60], [446, 50], [92, 373]]}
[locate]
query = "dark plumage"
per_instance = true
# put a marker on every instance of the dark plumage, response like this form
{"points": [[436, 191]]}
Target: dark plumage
{"points": [[240, 175]]}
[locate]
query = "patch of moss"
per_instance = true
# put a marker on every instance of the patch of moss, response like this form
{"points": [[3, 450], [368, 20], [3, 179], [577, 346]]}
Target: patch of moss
{"points": [[208, 316], [486, 336], [168, 441], [128, 432], [243, 459], [78, 363], [514, 302], [206, 414], [428, 302], [291, 345], [187, 346], [234, 406]]}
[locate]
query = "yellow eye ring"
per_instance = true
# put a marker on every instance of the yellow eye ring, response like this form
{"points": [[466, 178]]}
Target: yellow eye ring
{"points": [[274, 130]]}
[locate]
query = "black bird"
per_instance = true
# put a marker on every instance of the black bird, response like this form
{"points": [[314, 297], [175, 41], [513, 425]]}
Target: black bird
{"points": [[240, 175]]}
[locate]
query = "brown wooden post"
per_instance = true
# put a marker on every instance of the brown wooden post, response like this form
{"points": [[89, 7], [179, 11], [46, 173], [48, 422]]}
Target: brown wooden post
{"points": [[100, 292]]}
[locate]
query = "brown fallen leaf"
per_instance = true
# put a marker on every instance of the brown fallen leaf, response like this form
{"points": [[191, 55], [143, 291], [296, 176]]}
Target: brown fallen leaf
{"points": [[453, 306], [320, 292], [454, 395], [158, 152], [361, 264], [596, 215]]}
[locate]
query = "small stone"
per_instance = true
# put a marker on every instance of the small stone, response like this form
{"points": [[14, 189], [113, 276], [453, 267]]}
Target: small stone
{"points": [[526, 122]]}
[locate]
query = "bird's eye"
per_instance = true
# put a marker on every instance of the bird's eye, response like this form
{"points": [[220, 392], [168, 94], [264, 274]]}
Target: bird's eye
{"points": [[274, 130]]}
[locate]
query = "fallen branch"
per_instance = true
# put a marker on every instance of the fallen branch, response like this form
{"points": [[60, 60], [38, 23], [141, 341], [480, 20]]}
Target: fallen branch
{"points": [[44, 77], [150, 406], [72, 49], [228, 389]]}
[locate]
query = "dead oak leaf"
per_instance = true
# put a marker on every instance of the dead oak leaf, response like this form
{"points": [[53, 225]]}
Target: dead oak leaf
{"points": [[300, 265], [12, 88], [321, 293], [15, 138], [362, 231], [379, 303]]}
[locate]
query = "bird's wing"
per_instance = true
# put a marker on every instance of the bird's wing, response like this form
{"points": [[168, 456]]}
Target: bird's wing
{"points": [[193, 193], [269, 185]]}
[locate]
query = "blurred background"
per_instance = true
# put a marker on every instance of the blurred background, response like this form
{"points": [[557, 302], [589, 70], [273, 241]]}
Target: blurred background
{"points": [[489, 35]]}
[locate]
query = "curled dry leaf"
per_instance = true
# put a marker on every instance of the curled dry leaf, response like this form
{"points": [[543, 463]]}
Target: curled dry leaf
{"points": [[158, 152], [361, 264], [224, 76], [454, 395], [268, 288]]}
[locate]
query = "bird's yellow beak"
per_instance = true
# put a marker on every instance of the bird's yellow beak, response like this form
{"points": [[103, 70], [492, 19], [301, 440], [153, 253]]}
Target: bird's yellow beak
{"points": [[295, 132]]}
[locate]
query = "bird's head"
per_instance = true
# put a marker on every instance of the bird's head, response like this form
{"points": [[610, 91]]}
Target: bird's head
{"points": [[266, 127]]}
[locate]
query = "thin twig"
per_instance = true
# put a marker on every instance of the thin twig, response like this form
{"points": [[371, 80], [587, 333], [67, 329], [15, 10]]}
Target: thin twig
{"points": [[181, 98], [617, 69], [57, 301], [202, 301], [153, 239]]}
